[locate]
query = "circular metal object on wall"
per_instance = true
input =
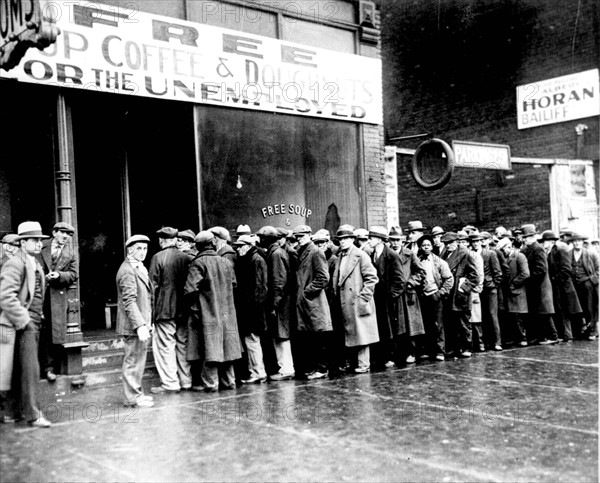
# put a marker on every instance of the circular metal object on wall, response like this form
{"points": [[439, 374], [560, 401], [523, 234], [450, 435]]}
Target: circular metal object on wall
{"points": [[433, 164]]}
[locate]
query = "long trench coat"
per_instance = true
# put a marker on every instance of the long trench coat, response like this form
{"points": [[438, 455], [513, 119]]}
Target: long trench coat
{"points": [[464, 270], [517, 273], [279, 296], [354, 285], [312, 277], [213, 334], [563, 289], [410, 320], [251, 292], [539, 288]]}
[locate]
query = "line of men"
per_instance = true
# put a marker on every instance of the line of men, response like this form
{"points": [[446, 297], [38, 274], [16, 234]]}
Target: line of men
{"points": [[278, 305]]}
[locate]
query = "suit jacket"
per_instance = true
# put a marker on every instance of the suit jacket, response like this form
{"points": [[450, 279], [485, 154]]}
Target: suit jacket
{"points": [[168, 273], [590, 264], [134, 297], [492, 271], [463, 267], [539, 288], [516, 276], [564, 294], [17, 286], [62, 297]]}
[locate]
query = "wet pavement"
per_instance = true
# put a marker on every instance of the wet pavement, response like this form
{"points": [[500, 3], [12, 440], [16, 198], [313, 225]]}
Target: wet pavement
{"points": [[526, 414]]}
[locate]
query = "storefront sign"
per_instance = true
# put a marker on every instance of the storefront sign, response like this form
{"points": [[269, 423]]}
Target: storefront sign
{"points": [[283, 209], [123, 51], [557, 100], [481, 155]]}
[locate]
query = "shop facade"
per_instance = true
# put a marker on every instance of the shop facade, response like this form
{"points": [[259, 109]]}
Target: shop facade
{"points": [[192, 114]]}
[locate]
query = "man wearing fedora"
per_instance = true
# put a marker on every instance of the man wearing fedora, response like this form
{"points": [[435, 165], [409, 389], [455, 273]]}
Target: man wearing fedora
{"points": [[539, 290], [585, 266], [134, 318], [438, 244], [354, 279], [61, 266], [22, 289], [387, 294], [415, 231], [566, 302], [168, 274], [313, 315]]}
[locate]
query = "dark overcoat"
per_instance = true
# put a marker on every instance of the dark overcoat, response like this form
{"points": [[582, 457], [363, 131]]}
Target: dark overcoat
{"points": [[410, 320], [504, 268], [279, 296], [228, 254], [463, 267], [517, 273], [213, 334], [563, 289], [251, 292], [387, 292], [134, 299], [354, 285], [168, 274], [539, 287], [312, 277], [61, 295]]}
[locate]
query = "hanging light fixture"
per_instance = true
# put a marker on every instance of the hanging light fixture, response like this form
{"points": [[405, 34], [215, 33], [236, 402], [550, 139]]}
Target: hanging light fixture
{"points": [[238, 185]]}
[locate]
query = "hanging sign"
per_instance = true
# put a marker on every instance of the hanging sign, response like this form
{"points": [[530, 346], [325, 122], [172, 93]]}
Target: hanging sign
{"points": [[123, 51], [481, 155]]}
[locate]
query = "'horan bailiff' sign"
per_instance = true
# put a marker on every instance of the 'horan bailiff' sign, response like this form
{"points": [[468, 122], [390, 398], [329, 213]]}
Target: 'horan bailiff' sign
{"points": [[560, 99], [116, 50]]}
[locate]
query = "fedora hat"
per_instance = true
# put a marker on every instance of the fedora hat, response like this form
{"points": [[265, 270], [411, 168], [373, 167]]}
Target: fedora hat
{"points": [[63, 226], [30, 229], [475, 236], [243, 230], [136, 239], [345, 231], [396, 233], [321, 235], [437, 230], [528, 230], [578, 236], [462, 235], [548, 235], [361, 233], [415, 226], [379, 232]]}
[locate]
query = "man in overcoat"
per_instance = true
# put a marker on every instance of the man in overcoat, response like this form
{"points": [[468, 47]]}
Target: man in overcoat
{"points": [[312, 310], [457, 307], [22, 290], [222, 240], [10, 246], [250, 297], [515, 300], [209, 289], [492, 283], [387, 295], [415, 231], [134, 318], [566, 302], [168, 274], [354, 280], [279, 298], [539, 290], [60, 261], [585, 265]]}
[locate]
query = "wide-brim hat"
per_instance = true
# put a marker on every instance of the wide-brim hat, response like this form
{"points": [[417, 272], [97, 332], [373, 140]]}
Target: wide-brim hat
{"points": [[30, 229], [475, 237], [396, 233], [379, 232], [437, 230], [11, 239], [549, 235], [346, 231], [415, 226], [423, 238], [469, 228], [486, 235], [167, 232], [578, 236], [243, 230], [187, 235], [361, 233], [462, 235], [63, 226], [528, 230], [136, 239]]}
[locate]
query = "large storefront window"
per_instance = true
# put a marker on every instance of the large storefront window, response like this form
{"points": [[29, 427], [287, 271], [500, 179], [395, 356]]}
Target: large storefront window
{"points": [[266, 169]]}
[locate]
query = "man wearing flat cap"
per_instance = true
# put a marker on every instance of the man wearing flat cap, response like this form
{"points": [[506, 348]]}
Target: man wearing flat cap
{"points": [[168, 274], [22, 289], [185, 242], [214, 335], [60, 261], [134, 318], [222, 240], [585, 264], [10, 246], [566, 302], [312, 309], [539, 290]]}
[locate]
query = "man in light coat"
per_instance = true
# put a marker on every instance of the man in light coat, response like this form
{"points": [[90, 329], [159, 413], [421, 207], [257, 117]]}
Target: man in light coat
{"points": [[312, 309], [134, 318], [354, 280], [22, 289]]}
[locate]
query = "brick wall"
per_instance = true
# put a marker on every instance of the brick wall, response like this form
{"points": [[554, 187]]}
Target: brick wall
{"points": [[451, 69]]}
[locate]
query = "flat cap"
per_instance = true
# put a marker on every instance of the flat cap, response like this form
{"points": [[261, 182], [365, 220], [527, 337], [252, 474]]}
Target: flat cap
{"points": [[449, 237], [222, 233], [243, 230], [361, 233], [244, 240], [282, 232], [321, 235], [437, 230], [167, 232], [136, 239], [64, 226], [187, 235], [302, 230], [268, 231], [11, 239], [379, 232], [204, 237]]}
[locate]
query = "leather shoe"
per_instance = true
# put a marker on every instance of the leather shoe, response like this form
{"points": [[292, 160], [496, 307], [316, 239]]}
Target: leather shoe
{"points": [[40, 422], [361, 370], [282, 377], [254, 380], [50, 376]]}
